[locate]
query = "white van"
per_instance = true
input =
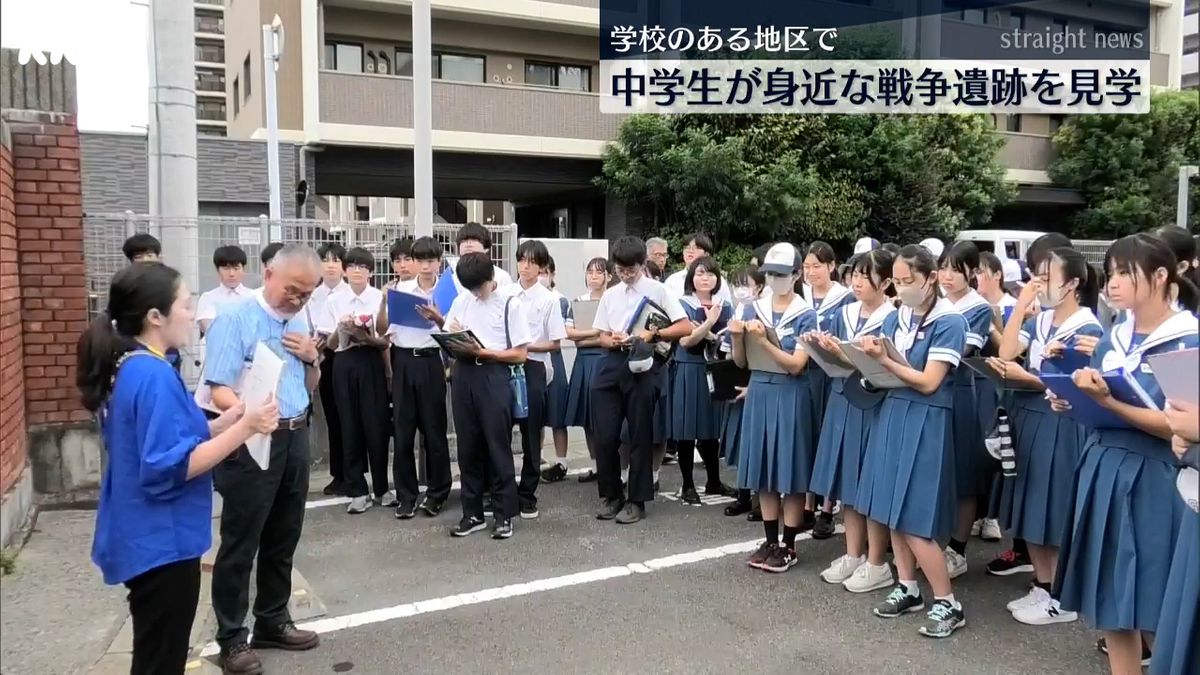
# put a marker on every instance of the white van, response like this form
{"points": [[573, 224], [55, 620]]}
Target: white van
{"points": [[1010, 244]]}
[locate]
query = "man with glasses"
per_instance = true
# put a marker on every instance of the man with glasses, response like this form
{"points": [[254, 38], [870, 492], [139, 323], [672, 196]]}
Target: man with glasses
{"points": [[656, 252]]}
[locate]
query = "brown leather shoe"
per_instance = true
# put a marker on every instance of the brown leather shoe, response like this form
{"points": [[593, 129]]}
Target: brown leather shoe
{"points": [[286, 637], [240, 659]]}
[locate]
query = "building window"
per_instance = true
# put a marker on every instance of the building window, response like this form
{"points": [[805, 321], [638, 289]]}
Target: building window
{"points": [[1016, 20], [237, 100], [573, 78], [207, 80], [344, 57], [210, 110], [206, 22], [1012, 123], [246, 78], [404, 62], [210, 53], [459, 68]]}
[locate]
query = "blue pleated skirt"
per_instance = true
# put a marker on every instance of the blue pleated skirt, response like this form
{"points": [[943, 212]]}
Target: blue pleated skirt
{"points": [[819, 385], [775, 453], [972, 473], [694, 415], [1175, 648], [1036, 504], [840, 449], [908, 482], [731, 423], [1116, 551], [578, 398], [556, 394]]}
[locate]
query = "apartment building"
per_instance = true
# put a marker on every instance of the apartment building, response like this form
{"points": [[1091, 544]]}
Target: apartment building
{"points": [[209, 21], [1191, 45], [518, 133]]}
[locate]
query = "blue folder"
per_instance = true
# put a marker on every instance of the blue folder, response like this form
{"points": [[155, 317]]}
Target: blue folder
{"points": [[1070, 361], [445, 291], [1084, 408], [402, 310]]}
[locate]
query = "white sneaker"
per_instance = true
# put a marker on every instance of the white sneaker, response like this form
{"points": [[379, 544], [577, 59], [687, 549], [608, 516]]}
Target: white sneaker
{"points": [[990, 530], [837, 507], [359, 504], [1030, 599], [976, 527], [841, 569], [1044, 613], [956, 565], [389, 499], [869, 578]]}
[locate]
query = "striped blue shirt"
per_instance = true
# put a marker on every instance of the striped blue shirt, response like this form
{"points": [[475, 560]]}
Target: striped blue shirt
{"points": [[235, 334]]}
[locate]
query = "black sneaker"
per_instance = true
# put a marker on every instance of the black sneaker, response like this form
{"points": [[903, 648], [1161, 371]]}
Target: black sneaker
{"points": [[1102, 647], [589, 477], [823, 529], [720, 490], [761, 554], [334, 489], [1010, 562], [631, 514], [554, 474], [737, 508], [808, 521], [610, 508], [502, 529], [670, 457], [942, 620], [406, 510], [432, 507], [690, 496], [469, 525], [529, 509], [781, 560], [899, 603], [755, 515]]}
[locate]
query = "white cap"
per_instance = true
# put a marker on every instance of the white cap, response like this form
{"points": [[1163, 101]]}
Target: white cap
{"points": [[780, 259], [866, 244], [1012, 271], [935, 246]]}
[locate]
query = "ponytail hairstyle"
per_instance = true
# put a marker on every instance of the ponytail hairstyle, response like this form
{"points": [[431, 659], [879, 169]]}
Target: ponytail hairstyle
{"points": [[133, 292], [1074, 267], [1142, 255], [962, 257], [921, 261], [824, 254], [876, 265], [1184, 247]]}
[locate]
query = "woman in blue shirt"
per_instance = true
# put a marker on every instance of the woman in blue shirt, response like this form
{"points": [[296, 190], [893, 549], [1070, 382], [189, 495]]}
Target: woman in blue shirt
{"points": [[154, 519]]}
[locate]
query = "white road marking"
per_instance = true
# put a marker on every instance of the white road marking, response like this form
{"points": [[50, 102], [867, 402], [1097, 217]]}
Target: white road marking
{"points": [[339, 623], [454, 487]]}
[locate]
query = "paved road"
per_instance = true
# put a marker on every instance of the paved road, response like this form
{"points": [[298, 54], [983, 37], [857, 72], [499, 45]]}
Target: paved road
{"points": [[595, 597]]}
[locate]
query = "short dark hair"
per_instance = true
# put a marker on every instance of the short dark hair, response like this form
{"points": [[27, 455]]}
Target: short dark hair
{"points": [[740, 276], [359, 256], [535, 252], [140, 244], [891, 247], [962, 257], [332, 248], [876, 266], [474, 270], [229, 256], [702, 241], [653, 270], [760, 253], [708, 263], [401, 248], [1039, 250], [991, 262], [474, 231], [268, 252], [628, 251], [426, 248], [551, 267]]}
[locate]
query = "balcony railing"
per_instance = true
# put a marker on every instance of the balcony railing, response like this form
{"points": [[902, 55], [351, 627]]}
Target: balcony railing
{"points": [[1026, 151], [210, 24], [379, 100]]}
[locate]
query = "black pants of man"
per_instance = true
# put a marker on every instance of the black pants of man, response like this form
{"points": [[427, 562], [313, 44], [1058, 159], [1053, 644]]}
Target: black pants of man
{"points": [[482, 404], [619, 395], [261, 519], [361, 387], [333, 424], [531, 433], [419, 404], [162, 604]]}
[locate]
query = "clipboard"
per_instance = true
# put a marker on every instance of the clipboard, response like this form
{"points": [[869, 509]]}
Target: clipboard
{"points": [[1084, 409], [758, 358], [873, 371], [584, 313], [724, 377], [980, 365], [826, 360], [402, 310], [1176, 374], [260, 382], [456, 344]]}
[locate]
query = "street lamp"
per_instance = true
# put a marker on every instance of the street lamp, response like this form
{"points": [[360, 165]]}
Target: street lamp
{"points": [[272, 37]]}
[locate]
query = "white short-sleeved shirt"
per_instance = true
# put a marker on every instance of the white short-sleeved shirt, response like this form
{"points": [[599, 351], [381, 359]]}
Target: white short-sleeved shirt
{"points": [[618, 304], [499, 276], [407, 337], [345, 302], [485, 318], [543, 312], [212, 303], [316, 301], [674, 283]]}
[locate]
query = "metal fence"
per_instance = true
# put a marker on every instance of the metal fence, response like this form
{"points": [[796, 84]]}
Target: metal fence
{"points": [[1093, 250]]}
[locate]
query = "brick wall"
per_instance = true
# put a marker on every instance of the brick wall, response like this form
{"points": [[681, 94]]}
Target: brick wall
{"points": [[12, 382]]}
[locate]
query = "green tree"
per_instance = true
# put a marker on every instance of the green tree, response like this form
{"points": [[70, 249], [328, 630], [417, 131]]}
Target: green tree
{"points": [[1127, 166]]}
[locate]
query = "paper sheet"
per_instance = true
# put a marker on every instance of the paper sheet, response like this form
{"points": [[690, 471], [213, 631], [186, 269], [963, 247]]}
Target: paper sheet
{"points": [[1176, 374], [871, 369], [584, 313], [261, 380], [826, 360]]}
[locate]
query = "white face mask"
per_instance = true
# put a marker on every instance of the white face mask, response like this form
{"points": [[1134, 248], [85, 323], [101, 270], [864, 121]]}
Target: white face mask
{"points": [[780, 285], [911, 296], [1052, 298], [743, 294]]}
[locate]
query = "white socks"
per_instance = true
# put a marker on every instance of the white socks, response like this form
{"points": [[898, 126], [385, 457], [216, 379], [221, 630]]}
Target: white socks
{"points": [[911, 588], [950, 599]]}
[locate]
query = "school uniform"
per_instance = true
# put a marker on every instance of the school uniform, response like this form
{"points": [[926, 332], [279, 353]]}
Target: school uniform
{"points": [[418, 405], [1035, 505], [694, 415], [909, 481], [1112, 565], [482, 402], [360, 386], [973, 471], [1176, 651], [543, 313], [776, 450], [731, 411], [846, 428], [213, 302], [502, 278], [556, 389], [619, 395], [578, 407], [329, 407], [836, 297]]}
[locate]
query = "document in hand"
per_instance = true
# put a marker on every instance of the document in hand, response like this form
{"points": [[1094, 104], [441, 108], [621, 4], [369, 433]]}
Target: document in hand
{"points": [[1176, 373], [980, 365], [757, 356], [402, 309], [458, 345], [1084, 408], [826, 360], [649, 314], [584, 313], [261, 381], [871, 369]]}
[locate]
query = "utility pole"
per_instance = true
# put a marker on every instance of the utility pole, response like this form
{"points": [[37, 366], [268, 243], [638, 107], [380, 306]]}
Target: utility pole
{"points": [[422, 117], [171, 139], [272, 44], [1186, 172]]}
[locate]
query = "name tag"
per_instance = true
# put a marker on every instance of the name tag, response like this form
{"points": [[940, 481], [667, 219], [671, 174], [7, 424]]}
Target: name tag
{"points": [[920, 335]]}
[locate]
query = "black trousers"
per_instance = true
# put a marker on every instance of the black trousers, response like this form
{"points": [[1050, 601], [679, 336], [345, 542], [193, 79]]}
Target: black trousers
{"points": [[482, 405], [531, 432], [261, 520], [361, 387], [619, 395], [419, 404], [162, 604], [333, 424]]}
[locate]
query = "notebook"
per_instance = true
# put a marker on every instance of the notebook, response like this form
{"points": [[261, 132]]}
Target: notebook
{"points": [[871, 369], [1176, 373], [826, 360], [757, 356]]}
